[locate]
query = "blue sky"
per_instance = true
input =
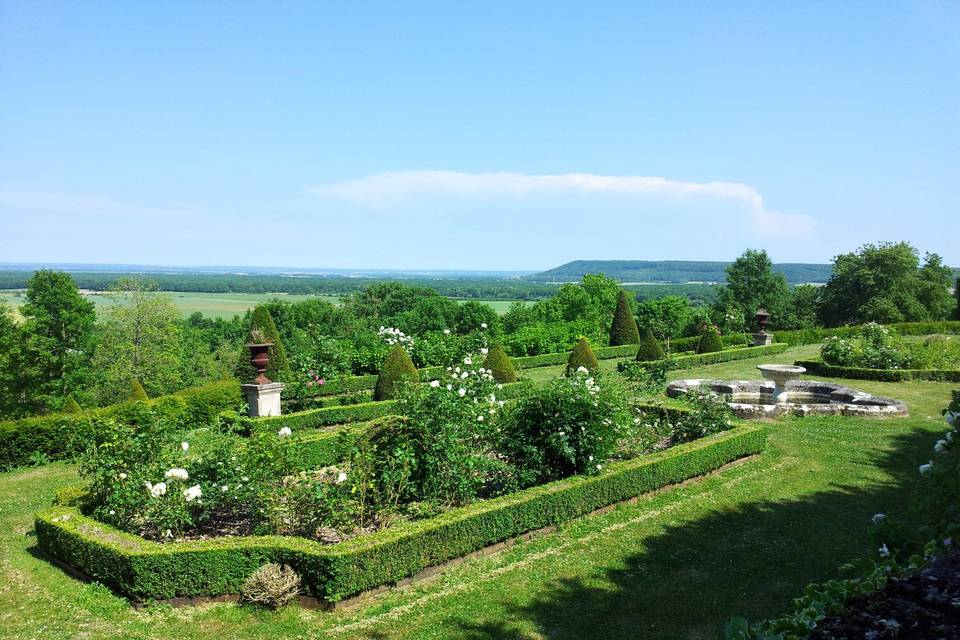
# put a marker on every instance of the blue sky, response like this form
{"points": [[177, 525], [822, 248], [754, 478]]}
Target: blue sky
{"points": [[513, 135]]}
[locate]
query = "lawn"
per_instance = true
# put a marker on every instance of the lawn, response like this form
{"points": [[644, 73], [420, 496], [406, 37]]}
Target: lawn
{"points": [[675, 565]]}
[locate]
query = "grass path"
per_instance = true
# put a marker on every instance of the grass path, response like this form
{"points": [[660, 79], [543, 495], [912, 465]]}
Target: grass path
{"points": [[675, 565]]}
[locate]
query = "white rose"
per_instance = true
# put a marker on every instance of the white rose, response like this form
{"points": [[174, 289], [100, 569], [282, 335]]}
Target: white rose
{"points": [[434, 383], [177, 474], [341, 477], [461, 392], [284, 432], [192, 493], [185, 446], [158, 489]]}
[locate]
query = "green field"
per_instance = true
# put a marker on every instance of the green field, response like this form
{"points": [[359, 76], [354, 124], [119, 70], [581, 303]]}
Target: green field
{"points": [[677, 564], [219, 305]]}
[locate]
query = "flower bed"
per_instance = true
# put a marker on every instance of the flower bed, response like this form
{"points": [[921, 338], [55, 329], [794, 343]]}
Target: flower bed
{"points": [[142, 570]]}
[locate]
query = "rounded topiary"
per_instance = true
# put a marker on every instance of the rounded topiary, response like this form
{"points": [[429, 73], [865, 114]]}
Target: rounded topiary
{"points": [[137, 392], [71, 405], [710, 340], [582, 356], [624, 328], [650, 348], [272, 585], [397, 370], [264, 329], [499, 363]]}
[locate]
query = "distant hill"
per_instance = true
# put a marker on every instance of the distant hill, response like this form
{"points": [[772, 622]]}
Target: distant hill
{"points": [[671, 271]]}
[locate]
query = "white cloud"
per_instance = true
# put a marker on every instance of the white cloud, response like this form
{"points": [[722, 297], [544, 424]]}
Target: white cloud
{"points": [[385, 190], [69, 204]]}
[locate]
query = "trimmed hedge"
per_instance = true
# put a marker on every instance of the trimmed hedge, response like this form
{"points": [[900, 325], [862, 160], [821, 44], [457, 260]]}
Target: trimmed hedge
{"points": [[63, 435], [701, 359], [143, 570], [729, 340], [813, 336], [816, 367]]}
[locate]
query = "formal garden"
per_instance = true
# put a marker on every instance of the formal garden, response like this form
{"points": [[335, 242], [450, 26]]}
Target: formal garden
{"points": [[458, 485]]}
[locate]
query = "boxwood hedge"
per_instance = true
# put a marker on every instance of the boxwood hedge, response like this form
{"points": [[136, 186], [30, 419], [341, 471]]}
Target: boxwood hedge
{"points": [[64, 434], [145, 570], [701, 359], [816, 367], [813, 336]]}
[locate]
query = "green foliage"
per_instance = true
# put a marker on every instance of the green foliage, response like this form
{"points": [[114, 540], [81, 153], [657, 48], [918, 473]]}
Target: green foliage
{"points": [[569, 427], [137, 392], [71, 405], [709, 414], [59, 336], [12, 388], [885, 283], [877, 347], [667, 317], [499, 363], [815, 367], [624, 327], [753, 284], [813, 336], [650, 349], [698, 360], [397, 372], [582, 356], [647, 378], [264, 329], [710, 340], [142, 570]]}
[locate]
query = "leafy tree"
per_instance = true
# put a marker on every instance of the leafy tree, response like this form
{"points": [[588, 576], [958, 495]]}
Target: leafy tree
{"points": [[59, 330], [650, 348], [473, 315], [498, 362], [12, 383], [804, 302], [885, 283], [667, 317], [140, 340], [624, 327], [263, 329], [137, 391], [397, 370], [582, 356], [753, 284], [71, 405], [710, 340]]}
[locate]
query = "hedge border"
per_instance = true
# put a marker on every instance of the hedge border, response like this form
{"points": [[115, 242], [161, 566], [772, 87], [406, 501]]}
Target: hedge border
{"points": [[716, 357], [62, 435], [144, 570], [799, 337], [817, 367]]}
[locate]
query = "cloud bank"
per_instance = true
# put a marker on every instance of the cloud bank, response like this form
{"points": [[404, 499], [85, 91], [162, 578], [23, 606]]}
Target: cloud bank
{"points": [[386, 190]]}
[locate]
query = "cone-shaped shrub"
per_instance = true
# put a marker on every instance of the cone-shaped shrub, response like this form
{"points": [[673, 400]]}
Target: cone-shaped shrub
{"points": [[263, 329], [710, 340], [650, 348], [582, 356], [499, 362], [624, 328], [137, 392], [72, 406], [397, 369]]}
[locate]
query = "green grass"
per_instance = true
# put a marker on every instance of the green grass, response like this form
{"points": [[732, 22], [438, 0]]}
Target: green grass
{"points": [[675, 565], [219, 305]]}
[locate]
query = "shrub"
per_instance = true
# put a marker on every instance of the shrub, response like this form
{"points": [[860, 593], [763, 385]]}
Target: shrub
{"points": [[649, 378], [710, 341], [137, 392], [398, 370], [263, 329], [624, 328], [569, 427], [71, 405], [650, 348], [499, 363], [272, 585], [708, 414], [582, 356]]}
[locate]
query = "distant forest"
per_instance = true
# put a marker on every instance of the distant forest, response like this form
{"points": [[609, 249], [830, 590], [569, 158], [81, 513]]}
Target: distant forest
{"points": [[673, 271]]}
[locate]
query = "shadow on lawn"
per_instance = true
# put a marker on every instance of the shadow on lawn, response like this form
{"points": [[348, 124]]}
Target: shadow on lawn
{"points": [[751, 561]]}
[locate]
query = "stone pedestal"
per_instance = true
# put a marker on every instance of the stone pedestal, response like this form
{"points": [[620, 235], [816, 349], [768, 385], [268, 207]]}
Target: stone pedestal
{"points": [[262, 399], [762, 339]]}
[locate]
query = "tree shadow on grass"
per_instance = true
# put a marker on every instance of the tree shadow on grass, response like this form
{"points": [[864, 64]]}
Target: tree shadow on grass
{"points": [[750, 561]]}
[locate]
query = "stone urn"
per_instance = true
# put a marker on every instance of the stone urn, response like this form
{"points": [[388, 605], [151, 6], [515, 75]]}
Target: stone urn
{"points": [[761, 337], [260, 359]]}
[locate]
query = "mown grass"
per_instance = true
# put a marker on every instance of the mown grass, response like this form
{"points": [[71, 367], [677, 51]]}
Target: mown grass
{"points": [[675, 565]]}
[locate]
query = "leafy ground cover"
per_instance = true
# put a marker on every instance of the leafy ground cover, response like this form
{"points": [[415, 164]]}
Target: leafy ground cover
{"points": [[676, 564]]}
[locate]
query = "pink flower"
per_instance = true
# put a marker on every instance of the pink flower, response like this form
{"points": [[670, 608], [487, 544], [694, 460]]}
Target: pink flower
{"points": [[321, 381]]}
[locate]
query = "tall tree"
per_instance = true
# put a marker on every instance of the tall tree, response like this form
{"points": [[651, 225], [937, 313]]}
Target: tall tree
{"points": [[753, 284], [140, 340], [12, 384], [885, 283], [59, 329]]}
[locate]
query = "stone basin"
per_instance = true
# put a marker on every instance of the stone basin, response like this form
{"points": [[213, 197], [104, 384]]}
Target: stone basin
{"points": [[781, 374]]}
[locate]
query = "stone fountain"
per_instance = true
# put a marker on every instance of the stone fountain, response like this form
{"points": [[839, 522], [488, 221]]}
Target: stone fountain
{"points": [[780, 374]]}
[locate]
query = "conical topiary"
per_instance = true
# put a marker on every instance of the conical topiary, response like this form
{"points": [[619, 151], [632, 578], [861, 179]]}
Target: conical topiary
{"points": [[499, 363], [650, 348], [710, 340], [71, 405], [624, 328], [582, 356], [137, 392], [397, 370], [263, 329]]}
